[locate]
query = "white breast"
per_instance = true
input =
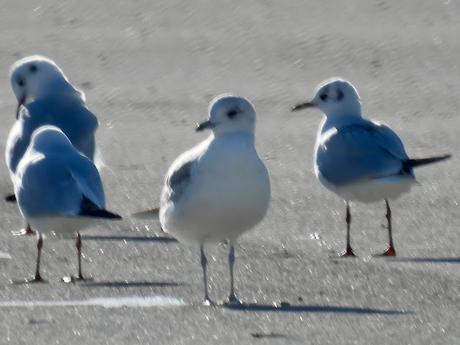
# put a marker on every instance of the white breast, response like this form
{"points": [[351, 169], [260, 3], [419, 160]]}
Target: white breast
{"points": [[229, 193]]}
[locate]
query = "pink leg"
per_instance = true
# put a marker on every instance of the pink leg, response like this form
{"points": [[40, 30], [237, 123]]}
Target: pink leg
{"points": [[391, 249]]}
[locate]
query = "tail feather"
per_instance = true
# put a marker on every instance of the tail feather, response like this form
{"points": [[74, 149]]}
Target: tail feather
{"points": [[416, 162]]}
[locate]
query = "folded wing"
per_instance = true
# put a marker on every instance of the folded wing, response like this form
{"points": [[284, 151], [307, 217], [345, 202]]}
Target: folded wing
{"points": [[360, 151]]}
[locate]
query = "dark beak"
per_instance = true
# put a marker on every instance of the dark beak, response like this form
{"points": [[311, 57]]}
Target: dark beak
{"points": [[301, 106], [20, 103], [204, 125]]}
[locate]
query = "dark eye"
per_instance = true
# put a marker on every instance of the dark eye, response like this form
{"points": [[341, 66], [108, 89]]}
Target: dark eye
{"points": [[323, 97], [33, 68], [340, 95], [21, 82], [232, 113]]}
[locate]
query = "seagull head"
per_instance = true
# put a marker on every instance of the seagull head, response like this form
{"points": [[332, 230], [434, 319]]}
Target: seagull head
{"points": [[228, 113], [334, 97], [49, 138], [35, 77]]}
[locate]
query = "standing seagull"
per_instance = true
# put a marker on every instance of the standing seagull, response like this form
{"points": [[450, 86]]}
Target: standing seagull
{"points": [[58, 189], [220, 188], [358, 159], [46, 97]]}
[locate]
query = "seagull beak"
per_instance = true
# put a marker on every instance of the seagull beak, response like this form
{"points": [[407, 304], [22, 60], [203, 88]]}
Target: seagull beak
{"points": [[205, 125], [20, 103], [301, 106]]}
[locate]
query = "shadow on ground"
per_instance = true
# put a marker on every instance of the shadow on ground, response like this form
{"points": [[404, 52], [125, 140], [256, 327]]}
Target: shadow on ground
{"points": [[133, 284], [430, 260], [255, 307], [159, 239]]}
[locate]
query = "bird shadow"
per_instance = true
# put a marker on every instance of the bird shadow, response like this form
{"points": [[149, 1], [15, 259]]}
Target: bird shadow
{"points": [[287, 308], [127, 238], [452, 260], [131, 284]]}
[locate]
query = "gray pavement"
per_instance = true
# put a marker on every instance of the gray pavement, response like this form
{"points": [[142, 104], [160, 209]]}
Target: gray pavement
{"points": [[149, 70]]}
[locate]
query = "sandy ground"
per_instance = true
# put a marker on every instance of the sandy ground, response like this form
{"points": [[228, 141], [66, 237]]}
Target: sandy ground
{"points": [[149, 70]]}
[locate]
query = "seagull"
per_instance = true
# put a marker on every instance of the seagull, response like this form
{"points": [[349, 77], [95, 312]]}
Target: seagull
{"points": [[220, 188], [46, 97], [356, 158], [59, 190]]}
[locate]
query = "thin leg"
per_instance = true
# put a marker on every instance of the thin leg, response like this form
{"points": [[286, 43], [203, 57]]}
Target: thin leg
{"points": [[204, 264], [391, 249], [38, 278], [28, 230], [348, 251], [78, 246], [79, 277], [24, 232], [232, 299]]}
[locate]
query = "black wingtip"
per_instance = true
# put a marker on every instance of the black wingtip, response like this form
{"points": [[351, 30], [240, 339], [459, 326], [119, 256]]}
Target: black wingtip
{"points": [[412, 163], [10, 198], [90, 209], [101, 213]]}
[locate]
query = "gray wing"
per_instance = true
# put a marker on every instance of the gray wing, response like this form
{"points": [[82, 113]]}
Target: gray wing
{"points": [[360, 151], [87, 178], [387, 139], [178, 180]]}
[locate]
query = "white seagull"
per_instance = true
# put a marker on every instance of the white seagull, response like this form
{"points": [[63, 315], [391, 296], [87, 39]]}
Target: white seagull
{"points": [[359, 159], [58, 189], [46, 97], [220, 188]]}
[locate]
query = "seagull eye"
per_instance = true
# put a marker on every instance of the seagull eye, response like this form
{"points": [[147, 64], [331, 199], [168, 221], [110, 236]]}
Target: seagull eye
{"points": [[33, 68], [323, 97], [21, 82], [232, 113]]}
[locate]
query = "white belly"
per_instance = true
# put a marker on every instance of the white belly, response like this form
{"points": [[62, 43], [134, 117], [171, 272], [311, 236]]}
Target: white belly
{"points": [[214, 212], [372, 190], [61, 227]]}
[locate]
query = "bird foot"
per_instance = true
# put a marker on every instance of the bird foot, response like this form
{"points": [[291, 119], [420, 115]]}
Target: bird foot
{"points": [[207, 302], [75, 279], [233, 301], [389, 252], [348, 252], [36, 279], [23, 232]]}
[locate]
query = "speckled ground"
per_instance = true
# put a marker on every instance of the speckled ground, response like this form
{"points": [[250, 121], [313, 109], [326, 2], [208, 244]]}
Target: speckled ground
{"points": [[149, 69]]}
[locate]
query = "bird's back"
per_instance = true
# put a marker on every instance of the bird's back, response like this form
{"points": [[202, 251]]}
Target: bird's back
{"points": [[68, 114], [55, 183]]}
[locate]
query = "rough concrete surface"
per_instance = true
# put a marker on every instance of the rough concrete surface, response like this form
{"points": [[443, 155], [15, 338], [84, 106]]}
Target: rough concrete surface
{"points": [[149, 69]]}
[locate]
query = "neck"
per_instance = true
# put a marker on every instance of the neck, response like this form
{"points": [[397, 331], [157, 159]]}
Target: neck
{"points": [[339, 121], [237, 134]]}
